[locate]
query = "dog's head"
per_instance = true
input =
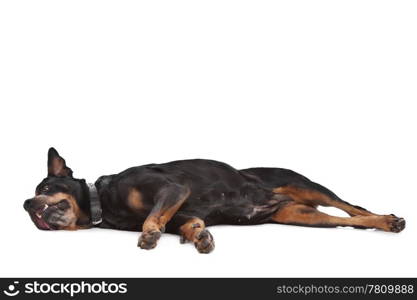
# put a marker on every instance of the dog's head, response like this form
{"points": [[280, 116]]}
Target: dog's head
{"points": [[61, 201]]}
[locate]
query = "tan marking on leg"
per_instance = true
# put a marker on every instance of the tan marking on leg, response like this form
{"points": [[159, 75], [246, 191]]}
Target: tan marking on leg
{"points": [[192, 228], [194, 231], [300, 214], [159, 219], [151, 223], [156, 221], [314, 198]]}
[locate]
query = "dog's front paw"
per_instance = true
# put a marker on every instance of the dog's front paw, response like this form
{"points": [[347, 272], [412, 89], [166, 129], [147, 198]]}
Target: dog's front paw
{"points": [[395, 224], [204, 241], [149, 239]]}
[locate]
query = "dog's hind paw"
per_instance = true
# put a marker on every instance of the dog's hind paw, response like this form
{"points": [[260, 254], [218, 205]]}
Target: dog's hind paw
{"points": [[149, 239], [395, 223], [204, 242]]}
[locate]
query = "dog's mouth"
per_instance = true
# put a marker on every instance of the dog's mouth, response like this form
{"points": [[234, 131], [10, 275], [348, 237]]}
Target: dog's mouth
{"points": [[37, 217]]}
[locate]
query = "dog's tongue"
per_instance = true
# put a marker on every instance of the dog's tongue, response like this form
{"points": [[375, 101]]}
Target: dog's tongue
{"points": [[41, 223]]}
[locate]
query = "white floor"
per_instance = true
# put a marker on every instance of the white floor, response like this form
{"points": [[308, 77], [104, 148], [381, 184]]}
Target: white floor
{"points": [[264, 250]]}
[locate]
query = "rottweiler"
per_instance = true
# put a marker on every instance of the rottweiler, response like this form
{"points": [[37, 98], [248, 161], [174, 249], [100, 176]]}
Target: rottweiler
{"points": [[186, 196]]}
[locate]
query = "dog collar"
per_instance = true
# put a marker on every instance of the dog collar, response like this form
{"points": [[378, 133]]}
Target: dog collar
{"points": [[95, 205]]}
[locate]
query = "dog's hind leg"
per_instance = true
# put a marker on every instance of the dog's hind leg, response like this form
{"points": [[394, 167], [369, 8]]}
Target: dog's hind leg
{"points": [[314, 194], [167, 202], [295, 213]]}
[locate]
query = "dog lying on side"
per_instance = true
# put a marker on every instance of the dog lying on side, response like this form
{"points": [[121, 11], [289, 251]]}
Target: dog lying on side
{"points": [[184, 197]]}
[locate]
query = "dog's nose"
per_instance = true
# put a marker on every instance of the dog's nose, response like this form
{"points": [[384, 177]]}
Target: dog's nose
{"points": [[27, 204]]}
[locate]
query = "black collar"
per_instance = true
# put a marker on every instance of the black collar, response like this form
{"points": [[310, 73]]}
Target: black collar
{"points": [[95, 205]]}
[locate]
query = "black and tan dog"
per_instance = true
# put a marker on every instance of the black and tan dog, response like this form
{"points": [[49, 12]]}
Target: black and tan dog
{"points": [[184, 197]]}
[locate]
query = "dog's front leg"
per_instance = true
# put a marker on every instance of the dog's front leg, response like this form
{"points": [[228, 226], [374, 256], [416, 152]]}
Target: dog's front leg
{"points": [[194, 230], [166, 203]]}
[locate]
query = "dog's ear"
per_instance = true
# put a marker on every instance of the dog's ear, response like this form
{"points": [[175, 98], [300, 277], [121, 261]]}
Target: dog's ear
{"points": [[56, 164]]}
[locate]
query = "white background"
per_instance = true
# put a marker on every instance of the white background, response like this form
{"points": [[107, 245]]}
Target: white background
{"points": [[326, 88]]}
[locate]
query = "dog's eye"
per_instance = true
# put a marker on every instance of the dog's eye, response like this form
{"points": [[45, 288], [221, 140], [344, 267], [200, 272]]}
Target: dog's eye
{"points": [[45, 189], [63, 204]]}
